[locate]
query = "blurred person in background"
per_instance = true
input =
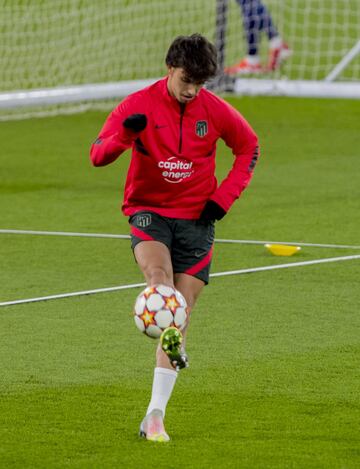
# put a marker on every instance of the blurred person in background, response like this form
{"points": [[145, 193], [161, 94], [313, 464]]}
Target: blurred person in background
{"points": [[257, 19]]}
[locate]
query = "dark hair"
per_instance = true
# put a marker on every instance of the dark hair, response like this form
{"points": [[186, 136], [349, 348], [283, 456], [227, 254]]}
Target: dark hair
{"points": [[196, 55]]}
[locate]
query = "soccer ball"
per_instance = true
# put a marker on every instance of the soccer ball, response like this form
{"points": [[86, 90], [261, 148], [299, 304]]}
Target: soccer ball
{"points": [[159, 307]]}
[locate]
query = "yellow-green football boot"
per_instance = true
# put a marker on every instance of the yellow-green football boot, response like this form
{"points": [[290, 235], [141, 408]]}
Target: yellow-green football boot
{"points": [[171, 343]]}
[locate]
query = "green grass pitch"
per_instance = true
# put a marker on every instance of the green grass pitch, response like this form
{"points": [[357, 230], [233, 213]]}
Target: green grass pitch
{"points": [[274, 375]]}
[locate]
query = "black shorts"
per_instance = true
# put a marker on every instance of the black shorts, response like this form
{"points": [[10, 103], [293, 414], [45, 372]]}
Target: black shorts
{"points": [[190, 242]]}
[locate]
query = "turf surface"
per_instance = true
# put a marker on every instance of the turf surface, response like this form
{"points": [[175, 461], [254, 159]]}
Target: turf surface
{"points": [[274, 356]]}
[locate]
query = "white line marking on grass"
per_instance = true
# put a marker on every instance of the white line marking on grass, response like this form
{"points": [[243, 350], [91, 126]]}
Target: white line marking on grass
{"points": [[288, 243], [65, 233], [68, 295], [218, 240], [218, 274], [285, 266]]}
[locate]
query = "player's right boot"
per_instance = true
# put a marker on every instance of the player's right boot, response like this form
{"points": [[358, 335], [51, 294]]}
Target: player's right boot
{"points": [[278, 55], [152, 427], [170, 341]]}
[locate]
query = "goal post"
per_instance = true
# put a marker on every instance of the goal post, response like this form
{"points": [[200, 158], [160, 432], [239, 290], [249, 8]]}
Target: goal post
{"points": [[71, 55], [345, 61]]}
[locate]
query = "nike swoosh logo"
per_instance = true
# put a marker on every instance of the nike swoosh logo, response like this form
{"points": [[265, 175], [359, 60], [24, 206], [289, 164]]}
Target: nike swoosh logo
{"points": [[160, 126]]}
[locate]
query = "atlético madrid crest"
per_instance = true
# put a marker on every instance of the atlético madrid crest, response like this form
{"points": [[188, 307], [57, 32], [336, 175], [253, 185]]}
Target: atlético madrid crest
{"points": [[201, 128], [143, 220]]}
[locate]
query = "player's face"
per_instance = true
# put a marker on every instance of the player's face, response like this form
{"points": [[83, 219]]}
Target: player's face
{"points": [[181, 88]]}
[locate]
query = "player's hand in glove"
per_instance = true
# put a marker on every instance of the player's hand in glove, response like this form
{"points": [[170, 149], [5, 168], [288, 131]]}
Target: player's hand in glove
{"points": [[135, 122], [212, 211]]}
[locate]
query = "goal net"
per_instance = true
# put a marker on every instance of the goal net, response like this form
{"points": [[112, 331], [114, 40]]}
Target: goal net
{"points": [[69, 55]]}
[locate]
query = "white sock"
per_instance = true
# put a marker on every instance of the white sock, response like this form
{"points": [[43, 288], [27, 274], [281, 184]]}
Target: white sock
{"points": [[253, 59], [275, 42], [163, 385]]}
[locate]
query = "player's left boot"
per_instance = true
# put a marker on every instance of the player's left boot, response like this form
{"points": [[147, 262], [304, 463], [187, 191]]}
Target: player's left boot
{"points": [[244, 67], [277, 56], [152, 427], [170, 341]]}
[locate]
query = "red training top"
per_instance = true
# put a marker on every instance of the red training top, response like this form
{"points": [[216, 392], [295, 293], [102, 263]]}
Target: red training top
{"points": [[172, 169]]}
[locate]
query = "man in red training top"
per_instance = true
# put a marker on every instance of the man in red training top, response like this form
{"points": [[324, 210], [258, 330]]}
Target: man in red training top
{"points": [[172, 197]]}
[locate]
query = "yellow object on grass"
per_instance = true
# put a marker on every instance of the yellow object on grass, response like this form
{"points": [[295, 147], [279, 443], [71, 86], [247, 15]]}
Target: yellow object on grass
{"points": [[282, 249]]}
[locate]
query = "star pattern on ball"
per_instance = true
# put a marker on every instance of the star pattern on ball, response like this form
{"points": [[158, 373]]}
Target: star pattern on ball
{"points": [[148, 317], [172, 303]]}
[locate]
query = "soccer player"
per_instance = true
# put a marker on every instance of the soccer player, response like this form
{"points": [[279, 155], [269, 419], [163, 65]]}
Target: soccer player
{"points": [[172, 197], [256, 18]]}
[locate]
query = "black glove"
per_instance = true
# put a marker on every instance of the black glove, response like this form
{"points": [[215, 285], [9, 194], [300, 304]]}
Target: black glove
{"points": [[212, 211], [135, 122]]}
